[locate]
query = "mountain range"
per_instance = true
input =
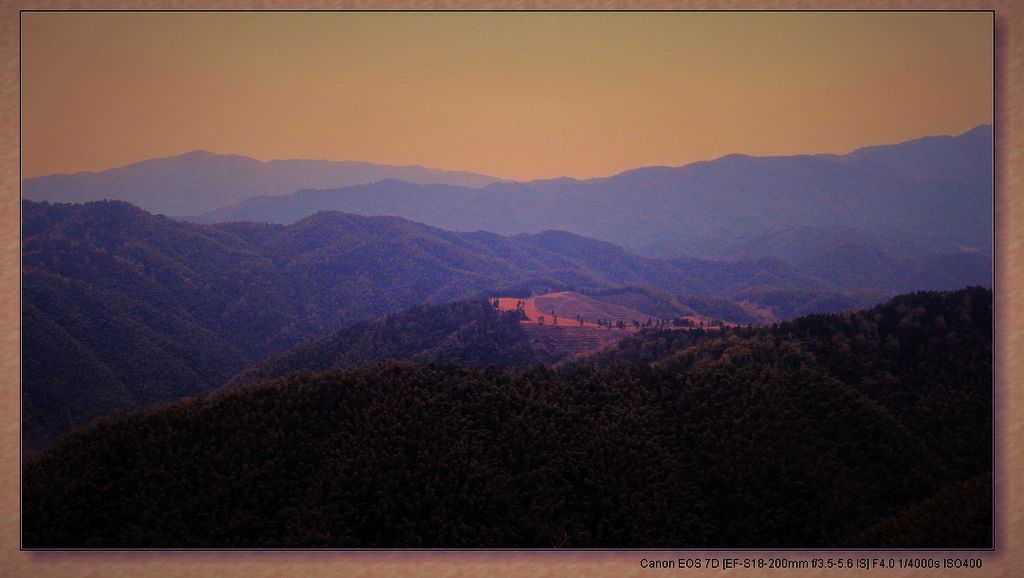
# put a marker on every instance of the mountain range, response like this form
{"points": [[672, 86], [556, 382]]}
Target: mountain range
{"points": [[932, 194], [929, 194], [201, 181], [139, 308]]}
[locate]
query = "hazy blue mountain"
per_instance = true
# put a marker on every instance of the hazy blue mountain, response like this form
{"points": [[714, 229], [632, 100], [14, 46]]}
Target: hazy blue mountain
{"points": [[929, 194], [857, 267], [801, 243], [200, 181], [965, 158]]}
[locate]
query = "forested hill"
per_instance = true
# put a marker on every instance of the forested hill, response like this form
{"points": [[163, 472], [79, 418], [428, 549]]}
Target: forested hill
{"points": [[469, 333], [925, 357], [868, 429]]}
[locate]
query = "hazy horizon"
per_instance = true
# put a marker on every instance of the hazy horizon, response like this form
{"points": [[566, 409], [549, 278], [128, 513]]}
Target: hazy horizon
{"points": [[518, 96], [459, 170]]}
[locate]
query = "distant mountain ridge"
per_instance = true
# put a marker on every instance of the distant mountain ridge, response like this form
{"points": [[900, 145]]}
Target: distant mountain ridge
{"points": [[201, 181], [928, 194]]}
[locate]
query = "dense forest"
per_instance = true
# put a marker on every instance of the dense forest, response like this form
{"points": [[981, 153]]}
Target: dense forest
{"points": [[858, 429]]}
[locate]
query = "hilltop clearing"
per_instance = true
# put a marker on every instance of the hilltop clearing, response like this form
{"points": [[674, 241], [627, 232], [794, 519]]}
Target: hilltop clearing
{"points": [[565, 324], [571, 309]]}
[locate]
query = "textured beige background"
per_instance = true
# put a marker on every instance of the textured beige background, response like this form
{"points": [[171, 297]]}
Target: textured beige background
{"points": [[1006, 560]]}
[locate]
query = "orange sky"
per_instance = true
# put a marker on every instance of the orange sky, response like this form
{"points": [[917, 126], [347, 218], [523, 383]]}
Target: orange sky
{"points": [[515, 95]]}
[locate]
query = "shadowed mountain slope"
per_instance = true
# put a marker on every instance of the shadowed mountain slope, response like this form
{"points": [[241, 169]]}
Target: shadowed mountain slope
{"points": [[469, 333]]}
